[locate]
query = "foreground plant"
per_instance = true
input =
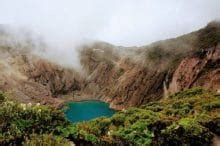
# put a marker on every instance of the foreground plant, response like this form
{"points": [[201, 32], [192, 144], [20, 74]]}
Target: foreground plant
{"points": [[190, 117], [19, 121]]}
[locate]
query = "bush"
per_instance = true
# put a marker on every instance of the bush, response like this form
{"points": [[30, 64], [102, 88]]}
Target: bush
{"points": [[212, 105], [209, 36], [185, 118], [189, 93], [2, 97], [181, 119], [157, 54], [137, 133], [21, 120], [46, 140], [187, 131]]}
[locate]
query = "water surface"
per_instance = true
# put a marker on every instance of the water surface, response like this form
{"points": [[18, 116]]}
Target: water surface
{"points": [[87, 110]]}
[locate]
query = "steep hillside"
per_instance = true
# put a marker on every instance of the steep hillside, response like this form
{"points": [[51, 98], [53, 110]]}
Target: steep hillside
{"points": [[26, 77], [134, 76], [122, 76]]}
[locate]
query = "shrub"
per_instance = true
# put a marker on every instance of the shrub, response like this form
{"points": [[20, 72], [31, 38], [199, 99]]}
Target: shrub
{"points": [[209, 36], [137, 133], [187, 131], [157, 54], [2, 98], [212, 105], [21, 120], [46, 140], [181, 119], [189, 93], [185, 118], [70, 131]]}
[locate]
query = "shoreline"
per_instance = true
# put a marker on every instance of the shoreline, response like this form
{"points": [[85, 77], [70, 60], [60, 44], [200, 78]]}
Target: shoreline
{"points": [[64, 101]]}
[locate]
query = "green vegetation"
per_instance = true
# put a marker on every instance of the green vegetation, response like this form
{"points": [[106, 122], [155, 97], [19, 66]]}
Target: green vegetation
{"points": [[183, 118], [20, 121], [190, 117], [46, 140], [168, 53], [209, 36], [2, 97], [158, 53]]}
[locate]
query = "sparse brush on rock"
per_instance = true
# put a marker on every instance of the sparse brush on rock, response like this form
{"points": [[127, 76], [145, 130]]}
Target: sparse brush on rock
{"points": [[2, 97], [209, 36]]}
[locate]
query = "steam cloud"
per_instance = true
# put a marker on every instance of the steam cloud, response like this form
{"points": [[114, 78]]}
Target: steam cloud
{"points": [[68, 23]]}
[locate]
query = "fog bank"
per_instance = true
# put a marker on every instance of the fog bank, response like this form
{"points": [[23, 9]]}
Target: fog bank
{"points": [[68, 23]]}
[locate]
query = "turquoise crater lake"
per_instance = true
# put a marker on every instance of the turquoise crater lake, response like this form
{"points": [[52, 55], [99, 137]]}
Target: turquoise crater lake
{"points": [[87, 110]]}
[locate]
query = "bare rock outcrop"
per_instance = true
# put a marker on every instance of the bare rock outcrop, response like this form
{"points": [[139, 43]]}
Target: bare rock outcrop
{"points": [[57, 79], [152, 72], [198, 70], [29, 78]]}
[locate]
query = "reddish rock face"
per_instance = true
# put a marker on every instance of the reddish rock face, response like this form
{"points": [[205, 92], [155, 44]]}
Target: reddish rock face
{"points": [[57, 79], [122, 76], [196, 71], [124, 82]]}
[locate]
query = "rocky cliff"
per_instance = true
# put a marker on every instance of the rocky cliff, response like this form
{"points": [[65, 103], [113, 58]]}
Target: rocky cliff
{"points": [[198, 71], [27, 77], [122, 76], [135, 76]]}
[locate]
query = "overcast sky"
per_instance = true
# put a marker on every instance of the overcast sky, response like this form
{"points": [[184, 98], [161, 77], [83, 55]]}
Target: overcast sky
{"points": [[121, 22]]}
